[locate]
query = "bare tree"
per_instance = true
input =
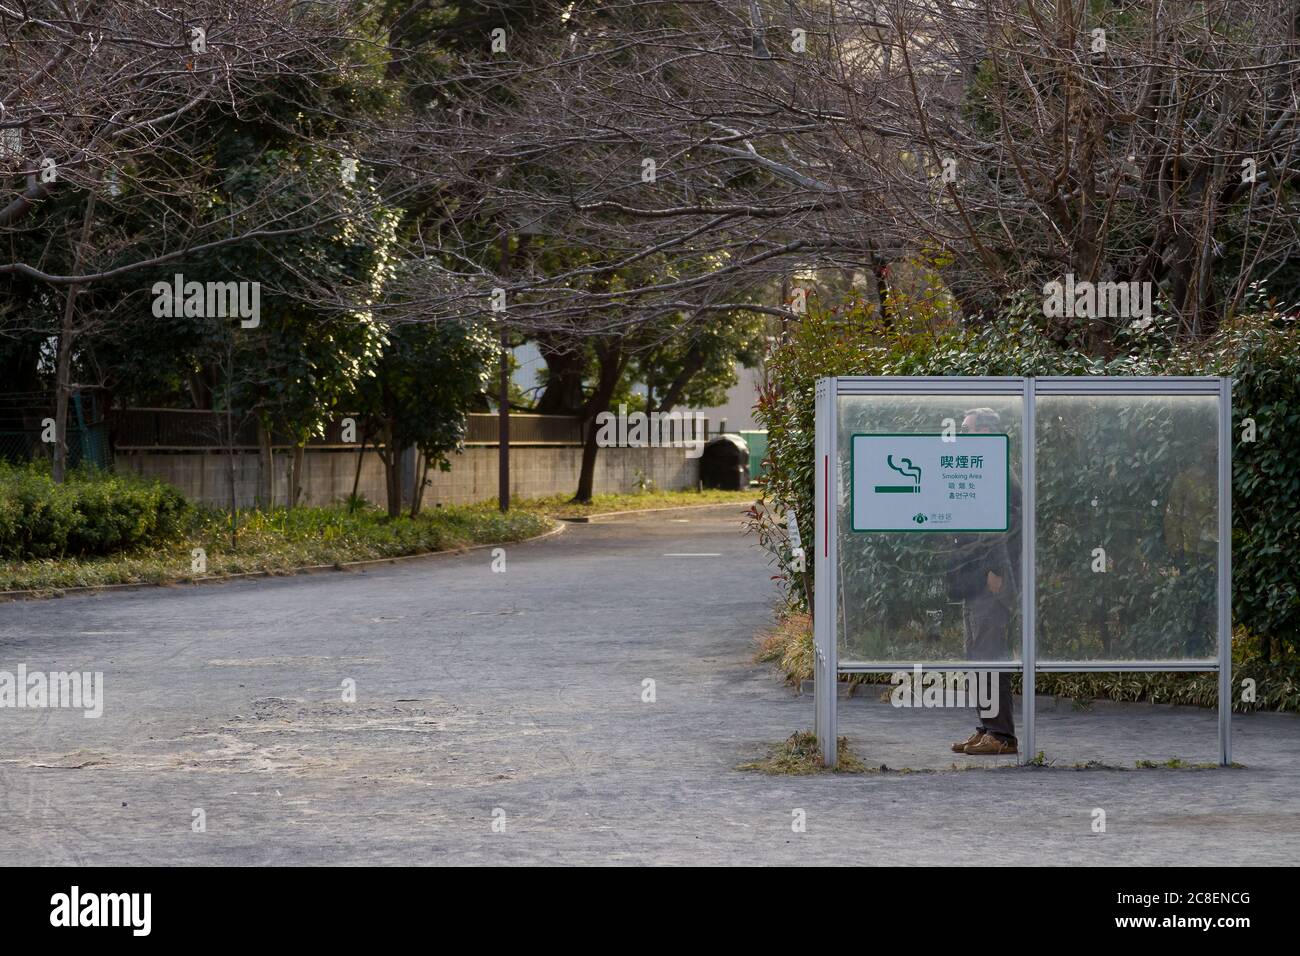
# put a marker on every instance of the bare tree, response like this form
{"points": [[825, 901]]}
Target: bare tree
{"points": [[105, 110], [731, 144], [665, 162]]}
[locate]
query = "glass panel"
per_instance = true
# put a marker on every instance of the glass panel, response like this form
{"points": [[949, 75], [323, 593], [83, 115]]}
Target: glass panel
{"points": [[1127, 539], [928, 527]]}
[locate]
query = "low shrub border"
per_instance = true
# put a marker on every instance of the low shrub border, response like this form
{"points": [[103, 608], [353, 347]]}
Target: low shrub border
{"points": [[279, 541], [92, 513]]}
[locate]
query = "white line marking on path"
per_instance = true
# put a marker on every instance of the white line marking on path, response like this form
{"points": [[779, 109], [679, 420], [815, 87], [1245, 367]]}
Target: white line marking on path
{"points": [[694, 554]]}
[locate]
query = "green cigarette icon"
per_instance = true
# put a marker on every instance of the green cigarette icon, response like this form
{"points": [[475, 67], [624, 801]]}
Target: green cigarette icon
{"points": [[911, 471]]}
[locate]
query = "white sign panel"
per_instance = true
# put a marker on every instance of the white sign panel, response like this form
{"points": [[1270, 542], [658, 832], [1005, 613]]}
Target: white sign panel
{"points": [[920, 482]]}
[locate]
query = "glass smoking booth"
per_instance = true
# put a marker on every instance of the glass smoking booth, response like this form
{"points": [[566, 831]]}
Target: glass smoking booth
{"points": [[1103, 503]]}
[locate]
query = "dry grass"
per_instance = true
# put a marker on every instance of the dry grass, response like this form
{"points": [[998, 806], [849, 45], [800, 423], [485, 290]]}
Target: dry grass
{"points": [[789, 645], [799, 755]]}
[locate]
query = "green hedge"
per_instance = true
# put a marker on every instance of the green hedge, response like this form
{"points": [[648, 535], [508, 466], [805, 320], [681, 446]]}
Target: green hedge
{"points": [[92, 513], [1261, 353]]}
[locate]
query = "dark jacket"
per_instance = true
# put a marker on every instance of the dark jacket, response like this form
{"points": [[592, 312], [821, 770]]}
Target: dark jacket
{"points": [[972, 556]]}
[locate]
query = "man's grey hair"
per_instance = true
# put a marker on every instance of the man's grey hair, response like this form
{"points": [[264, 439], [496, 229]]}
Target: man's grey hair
{"points": [[984, 418]]}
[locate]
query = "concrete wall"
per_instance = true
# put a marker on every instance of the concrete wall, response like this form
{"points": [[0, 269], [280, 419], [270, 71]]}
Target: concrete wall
{"points": [[535, 471], [203, 476]]}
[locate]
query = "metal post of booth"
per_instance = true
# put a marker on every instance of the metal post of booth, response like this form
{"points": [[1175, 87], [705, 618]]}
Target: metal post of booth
{"points": [[825, 552], [1225, 571], [814, 558], [1028, 572]]}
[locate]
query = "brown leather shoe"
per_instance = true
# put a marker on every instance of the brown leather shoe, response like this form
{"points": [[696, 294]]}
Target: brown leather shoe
{"points": [[988, 745], [961, 745]]}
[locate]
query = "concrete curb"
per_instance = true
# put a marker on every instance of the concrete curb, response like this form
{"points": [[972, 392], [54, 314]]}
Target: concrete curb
{"points": [[587, 519], [36, 595]]}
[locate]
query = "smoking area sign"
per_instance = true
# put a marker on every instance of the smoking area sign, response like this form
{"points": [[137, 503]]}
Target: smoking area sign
{"points": [[930, 482]]}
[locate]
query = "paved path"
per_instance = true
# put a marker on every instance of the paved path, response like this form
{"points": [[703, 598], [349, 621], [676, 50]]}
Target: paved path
{"points": [[523, 691]]}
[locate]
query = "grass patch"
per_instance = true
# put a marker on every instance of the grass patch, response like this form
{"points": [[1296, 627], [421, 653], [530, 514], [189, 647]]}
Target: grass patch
{"points": [[1173, 763], [279, 541], [559, 506], [799, 755]]}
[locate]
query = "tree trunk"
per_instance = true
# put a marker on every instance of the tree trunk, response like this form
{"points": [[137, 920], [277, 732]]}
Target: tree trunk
{"points": [[356, 477], [392, 459], [422, 479], [265, 467], [612, 363], [230, 468], [63, 365], [295, 474], [202, 385], [690, 368], [587, 475], [880, 273], [564, 368], [393, 467], [62, 389]]}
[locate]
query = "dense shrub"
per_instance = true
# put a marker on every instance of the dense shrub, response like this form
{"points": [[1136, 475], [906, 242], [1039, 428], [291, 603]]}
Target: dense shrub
{"points": [[92, 513], [1261, 353], [1264, 361]]}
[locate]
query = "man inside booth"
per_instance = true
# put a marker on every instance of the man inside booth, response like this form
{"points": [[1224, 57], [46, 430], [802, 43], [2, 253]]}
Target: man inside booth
{"points": [[984, 574]]}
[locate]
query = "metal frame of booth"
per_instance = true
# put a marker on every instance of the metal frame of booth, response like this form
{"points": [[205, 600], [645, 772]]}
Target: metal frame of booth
{"points": [[826, 663]]}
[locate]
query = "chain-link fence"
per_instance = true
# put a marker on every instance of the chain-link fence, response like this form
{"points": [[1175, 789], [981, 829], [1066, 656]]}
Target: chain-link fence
{"points": [[27, 430]]}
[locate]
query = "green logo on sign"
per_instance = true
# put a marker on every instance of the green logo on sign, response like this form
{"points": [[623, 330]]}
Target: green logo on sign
{"points": [[911, 471]]}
